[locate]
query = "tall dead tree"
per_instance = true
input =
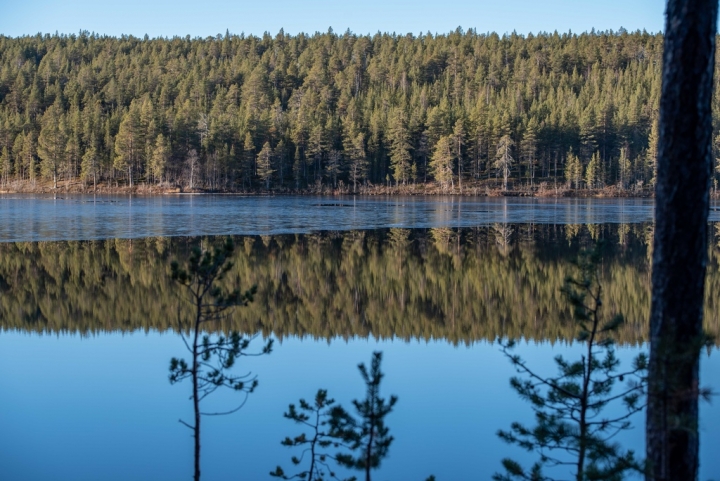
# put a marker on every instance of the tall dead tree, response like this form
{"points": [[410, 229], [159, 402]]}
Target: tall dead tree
{"points": [[680, 246]]}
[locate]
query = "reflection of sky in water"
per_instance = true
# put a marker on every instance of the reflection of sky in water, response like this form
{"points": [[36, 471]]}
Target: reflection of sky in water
{"points": [[101, 408], [73, 217]]}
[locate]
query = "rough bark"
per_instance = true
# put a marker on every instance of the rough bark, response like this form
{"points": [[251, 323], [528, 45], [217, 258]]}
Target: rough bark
{"points": [[680, 245]]}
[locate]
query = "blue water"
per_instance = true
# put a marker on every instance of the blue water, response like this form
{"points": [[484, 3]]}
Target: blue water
{"points": [[100, 408]]}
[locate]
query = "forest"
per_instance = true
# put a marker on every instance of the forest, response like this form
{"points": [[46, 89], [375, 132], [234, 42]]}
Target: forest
{"points": [[462, 285], [463, 112]]}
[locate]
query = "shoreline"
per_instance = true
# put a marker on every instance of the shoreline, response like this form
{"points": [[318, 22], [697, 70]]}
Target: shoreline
{"points": [[423, 190]]}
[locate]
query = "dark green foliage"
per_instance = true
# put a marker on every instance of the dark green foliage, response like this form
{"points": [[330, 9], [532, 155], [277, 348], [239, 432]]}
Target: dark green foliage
{"points": [[571, 428], [317, 417], [367, 434], [347, 107]]}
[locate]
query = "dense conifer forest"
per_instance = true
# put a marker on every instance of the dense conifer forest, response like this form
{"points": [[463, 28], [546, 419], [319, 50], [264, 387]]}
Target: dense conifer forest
{"points": [[461, 285], [463, 112]]}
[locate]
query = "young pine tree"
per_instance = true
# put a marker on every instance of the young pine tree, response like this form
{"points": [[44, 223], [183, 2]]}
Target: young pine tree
{"points": [[367, 434], [212, 356], [317, 417], [571, 428]]}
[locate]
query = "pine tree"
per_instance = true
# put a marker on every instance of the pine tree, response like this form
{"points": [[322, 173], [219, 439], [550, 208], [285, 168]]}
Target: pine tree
{"points": [[588, 141], [573, 169], [400, 158], [159, 159], [593, 172], [571, 427], [247, 167], [52, 142], [357, 159], [129, 145], [18, 166], [318, 417], [264, 165], [297, 168], [280, 156], [368, 433], [459, 141], [652, 152], [442, 161], [89, 167], [503, 158], [28, 154], [333, 166], [528, 149], [624, 168], [5, 166], [212, 356], [192, 162], [317, 147]]}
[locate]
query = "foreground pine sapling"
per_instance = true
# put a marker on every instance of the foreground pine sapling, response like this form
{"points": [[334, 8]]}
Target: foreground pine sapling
{"points": [[571, 428], [212, 356], [367, 434], [317, 417]]}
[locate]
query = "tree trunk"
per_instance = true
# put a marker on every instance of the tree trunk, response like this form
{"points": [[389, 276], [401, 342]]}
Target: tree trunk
{"points": [[195, 390], [680, 245]]}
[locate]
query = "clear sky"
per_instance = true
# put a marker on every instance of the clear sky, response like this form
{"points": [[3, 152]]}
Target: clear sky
{"points": [[210, 17]]}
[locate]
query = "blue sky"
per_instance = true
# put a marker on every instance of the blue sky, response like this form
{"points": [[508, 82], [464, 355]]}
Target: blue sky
{"points": [[210, 17]]}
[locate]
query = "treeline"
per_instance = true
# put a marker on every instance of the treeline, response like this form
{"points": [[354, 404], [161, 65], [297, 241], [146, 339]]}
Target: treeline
{"points": [[463, 286], [244, 113]]}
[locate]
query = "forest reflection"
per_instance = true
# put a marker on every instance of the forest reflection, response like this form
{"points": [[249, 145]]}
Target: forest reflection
{"points": [[462, 285]]}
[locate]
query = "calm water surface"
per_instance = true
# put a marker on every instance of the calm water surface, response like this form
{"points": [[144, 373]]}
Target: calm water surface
{"points": [[86, 337]]}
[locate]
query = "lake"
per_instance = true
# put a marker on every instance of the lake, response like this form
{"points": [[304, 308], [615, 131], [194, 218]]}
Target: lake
{"points": [[88, 317]]}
